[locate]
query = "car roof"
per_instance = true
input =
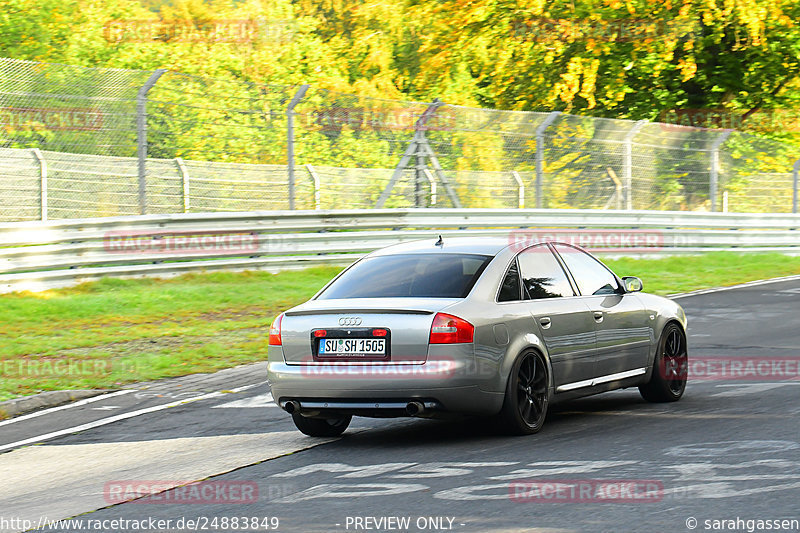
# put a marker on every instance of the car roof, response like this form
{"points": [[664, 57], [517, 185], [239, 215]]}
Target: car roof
{"points": [[452, 245]]}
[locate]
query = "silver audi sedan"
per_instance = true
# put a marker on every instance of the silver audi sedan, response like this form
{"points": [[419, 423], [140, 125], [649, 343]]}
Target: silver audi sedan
{"points": [[472, 326]]}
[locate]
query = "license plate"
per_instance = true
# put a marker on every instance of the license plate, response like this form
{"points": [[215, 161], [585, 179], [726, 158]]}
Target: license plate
{"points": [[352, 347]]}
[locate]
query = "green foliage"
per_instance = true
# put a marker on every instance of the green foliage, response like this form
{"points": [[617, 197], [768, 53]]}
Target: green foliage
{"points": [[635, 59], [601, 58]]}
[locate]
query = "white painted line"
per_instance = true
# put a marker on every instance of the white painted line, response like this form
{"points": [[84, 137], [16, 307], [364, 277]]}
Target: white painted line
{"points": [[776, 383], [733, 287], [751, 388], [67, 406], [124, 416], [261, 401]]}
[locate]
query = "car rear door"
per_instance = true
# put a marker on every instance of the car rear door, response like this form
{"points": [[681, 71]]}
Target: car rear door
{"points": [[565, 322], [620, 319]]}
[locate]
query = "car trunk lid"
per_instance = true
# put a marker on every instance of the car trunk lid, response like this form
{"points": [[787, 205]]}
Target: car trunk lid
{"points": [[407, 322]]}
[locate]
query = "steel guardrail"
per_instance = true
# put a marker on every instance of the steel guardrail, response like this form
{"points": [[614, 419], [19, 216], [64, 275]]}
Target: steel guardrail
{"points": [[43, 255]]}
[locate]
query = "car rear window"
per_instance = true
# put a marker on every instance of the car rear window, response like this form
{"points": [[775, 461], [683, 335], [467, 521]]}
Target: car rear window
{"points": [[412, 275]]}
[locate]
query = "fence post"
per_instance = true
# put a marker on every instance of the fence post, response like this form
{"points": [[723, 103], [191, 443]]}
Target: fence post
{"points": [[714, 173], [419, 172], [520, 189], [141, 135], [301, 92], [42, 183], [617, 196], [795, 172], [184, 182], [315, 177], [540, 154], [627, 162], [432, 182]]}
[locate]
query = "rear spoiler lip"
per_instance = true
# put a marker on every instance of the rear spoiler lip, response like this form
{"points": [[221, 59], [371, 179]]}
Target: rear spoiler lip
{"points": [[366, 310]]}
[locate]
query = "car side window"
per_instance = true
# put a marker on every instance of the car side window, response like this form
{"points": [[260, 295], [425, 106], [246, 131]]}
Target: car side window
{"points": [[542, 275], [591, 276], [510, 289]]}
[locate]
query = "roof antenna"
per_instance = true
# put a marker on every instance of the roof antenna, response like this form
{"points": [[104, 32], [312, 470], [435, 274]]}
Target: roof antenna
{"points": [[440, 242]]}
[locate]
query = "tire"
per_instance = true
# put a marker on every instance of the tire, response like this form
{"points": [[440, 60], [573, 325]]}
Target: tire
{"points": [[321, 427], [527, 395], [670, 367]]}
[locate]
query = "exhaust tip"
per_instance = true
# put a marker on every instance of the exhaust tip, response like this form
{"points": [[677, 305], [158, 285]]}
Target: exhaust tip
{"points": [[292, 406], [415, 408]]}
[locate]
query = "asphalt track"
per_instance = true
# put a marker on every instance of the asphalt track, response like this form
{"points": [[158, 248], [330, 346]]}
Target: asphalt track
{"points": [[728, 451]]}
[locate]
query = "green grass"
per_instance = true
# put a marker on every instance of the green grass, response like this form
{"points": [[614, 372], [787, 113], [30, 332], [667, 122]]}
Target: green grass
{"points": [[671, 275], [120, 331]]}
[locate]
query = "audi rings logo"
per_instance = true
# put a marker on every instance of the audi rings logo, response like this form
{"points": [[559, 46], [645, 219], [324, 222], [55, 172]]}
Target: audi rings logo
{"points": [[350, 321]]}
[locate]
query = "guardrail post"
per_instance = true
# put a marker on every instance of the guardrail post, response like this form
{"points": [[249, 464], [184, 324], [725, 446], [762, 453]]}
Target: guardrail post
{"points": [[714, 171], [520, 189], [315, 178], [795, 172], [42, 183], [627, 162], [301, 92], [141, 135], [185, 182], [540, 155]]}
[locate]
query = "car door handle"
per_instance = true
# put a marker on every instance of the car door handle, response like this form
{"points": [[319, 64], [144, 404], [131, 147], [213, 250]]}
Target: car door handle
{"points": [[598, 316], [545, 322]]}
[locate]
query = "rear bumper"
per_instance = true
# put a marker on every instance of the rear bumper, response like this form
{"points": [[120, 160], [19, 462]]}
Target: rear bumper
{"points": [[445, 386]]}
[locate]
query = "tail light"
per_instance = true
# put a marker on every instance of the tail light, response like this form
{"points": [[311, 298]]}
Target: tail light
{"points": [[449, 329], [275, 331]]}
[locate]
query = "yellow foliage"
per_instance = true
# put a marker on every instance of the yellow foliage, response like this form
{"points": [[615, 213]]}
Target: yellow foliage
{"points": [[687, 68], [589, 82], [570, 80], [535, 7]]}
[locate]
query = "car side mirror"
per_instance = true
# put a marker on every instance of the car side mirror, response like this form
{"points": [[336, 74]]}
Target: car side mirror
{"points": [[632, 284]]}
